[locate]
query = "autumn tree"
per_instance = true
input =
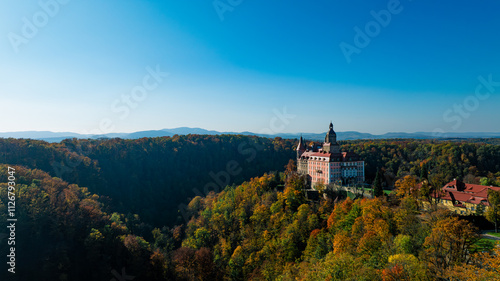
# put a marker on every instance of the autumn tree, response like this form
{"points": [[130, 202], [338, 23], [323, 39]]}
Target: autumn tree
{"points": [[204, 264], [290, 168], [407, 186], [339, 267], [450, 243], [185, 263], [493, 212], [486, 266], [403, 267], [406, 218], [294, 191]]}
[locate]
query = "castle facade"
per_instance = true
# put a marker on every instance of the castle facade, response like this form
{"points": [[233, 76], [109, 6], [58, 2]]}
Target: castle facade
{"points": [[327, 164]]}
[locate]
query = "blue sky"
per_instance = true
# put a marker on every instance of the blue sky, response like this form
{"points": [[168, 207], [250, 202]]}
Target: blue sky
{"points": [[232, 69]]}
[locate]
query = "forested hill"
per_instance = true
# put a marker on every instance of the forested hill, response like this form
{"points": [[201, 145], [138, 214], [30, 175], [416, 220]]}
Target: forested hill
{"points": [[85, 228], [64, 232], [248, 232], [253, 232], [152, 176]]}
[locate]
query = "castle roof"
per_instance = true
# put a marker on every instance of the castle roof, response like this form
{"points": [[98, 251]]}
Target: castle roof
{"points": [[301, 145], [331, 157]]}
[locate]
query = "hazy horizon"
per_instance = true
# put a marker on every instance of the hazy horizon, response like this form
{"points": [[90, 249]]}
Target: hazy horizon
{"points": [[291, 133]]}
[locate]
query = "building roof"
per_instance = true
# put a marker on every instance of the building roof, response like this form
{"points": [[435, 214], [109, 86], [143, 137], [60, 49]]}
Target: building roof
{"points": [[466, 193], [469, 188], [464, 197], [332, 157]]}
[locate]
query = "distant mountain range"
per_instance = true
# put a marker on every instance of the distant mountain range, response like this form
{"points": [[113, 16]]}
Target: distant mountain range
{"points": [[349, 135]]}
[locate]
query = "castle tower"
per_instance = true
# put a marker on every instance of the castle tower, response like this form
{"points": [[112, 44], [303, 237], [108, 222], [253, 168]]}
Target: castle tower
{"points": [[331, 145], [302, 166], [301, 148]]}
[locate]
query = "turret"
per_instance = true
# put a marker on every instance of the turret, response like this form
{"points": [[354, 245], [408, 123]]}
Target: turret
{"points": [[331, 136], [331, 144], [301, 148]]}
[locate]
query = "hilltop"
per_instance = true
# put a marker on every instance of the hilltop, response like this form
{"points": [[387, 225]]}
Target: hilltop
{"points": [[347, 135]]}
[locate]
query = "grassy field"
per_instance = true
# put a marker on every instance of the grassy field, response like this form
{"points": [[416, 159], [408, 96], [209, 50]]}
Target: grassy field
{"points": [[494, 234], [386, 192]]}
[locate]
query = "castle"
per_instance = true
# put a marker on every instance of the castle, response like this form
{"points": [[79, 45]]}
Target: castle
{"points": [[327, 164]]}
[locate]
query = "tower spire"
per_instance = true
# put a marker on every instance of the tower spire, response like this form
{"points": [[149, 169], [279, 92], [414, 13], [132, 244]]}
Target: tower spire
{"points": [[330, 144], [301, 145], [301, 148]]}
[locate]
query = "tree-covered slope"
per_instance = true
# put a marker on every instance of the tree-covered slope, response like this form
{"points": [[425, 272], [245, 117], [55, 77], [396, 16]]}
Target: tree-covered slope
{"points": [[255, 232], [64, 232], [152, 176]]}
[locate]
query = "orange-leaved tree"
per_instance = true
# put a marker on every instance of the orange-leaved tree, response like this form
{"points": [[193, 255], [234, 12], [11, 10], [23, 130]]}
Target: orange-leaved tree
{"points": [[450, 243]]}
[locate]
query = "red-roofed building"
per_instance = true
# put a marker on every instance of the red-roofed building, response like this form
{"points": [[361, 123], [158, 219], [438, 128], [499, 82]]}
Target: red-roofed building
{"points": [[464, 198], [328, 164]]}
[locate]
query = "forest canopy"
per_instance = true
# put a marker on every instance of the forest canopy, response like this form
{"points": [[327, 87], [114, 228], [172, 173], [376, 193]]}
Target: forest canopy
{"points": [[222, 208]]}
